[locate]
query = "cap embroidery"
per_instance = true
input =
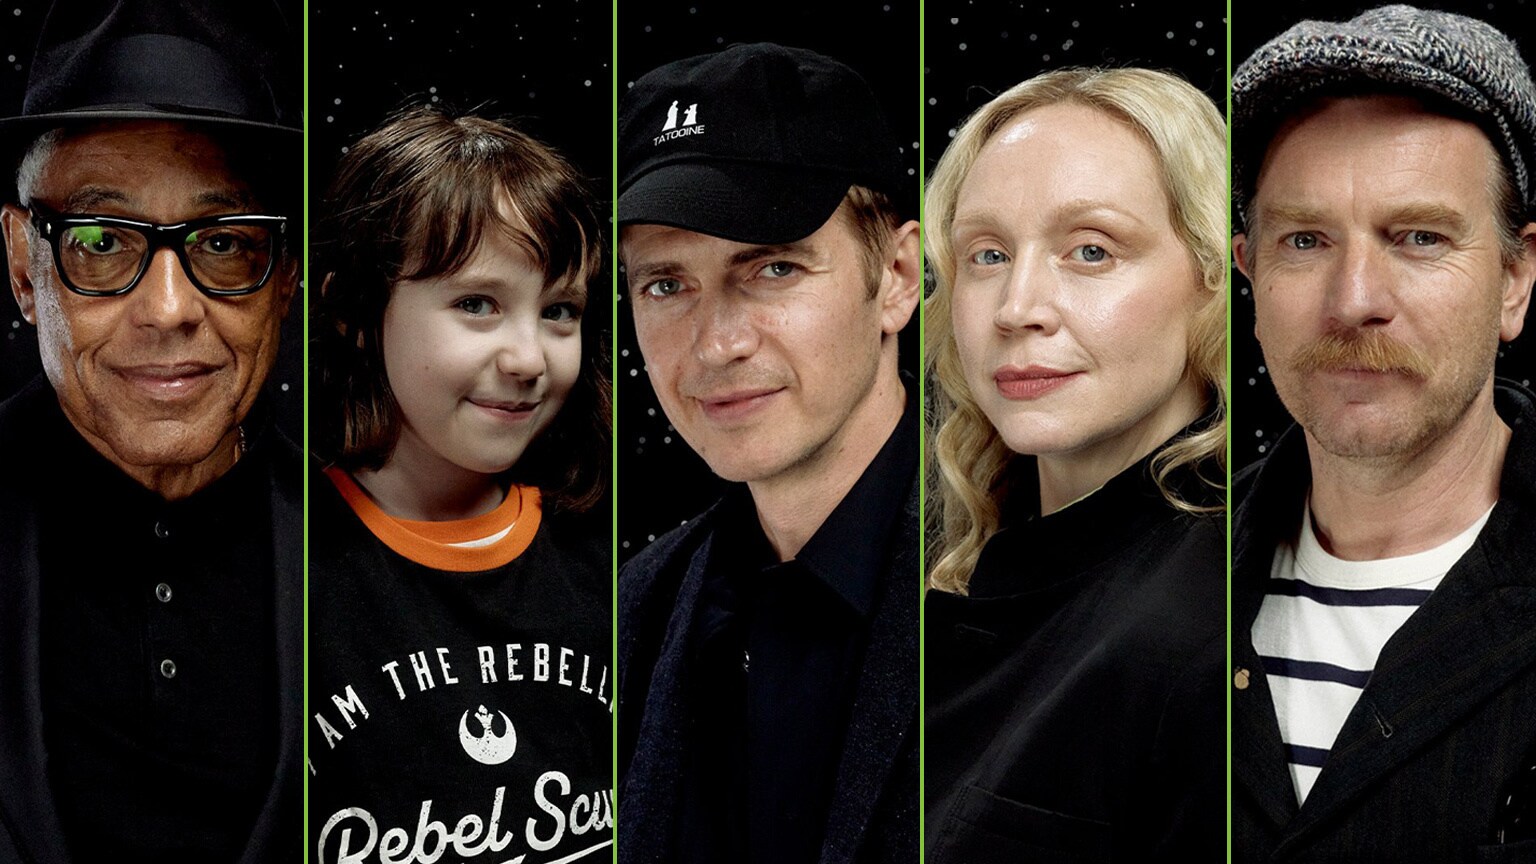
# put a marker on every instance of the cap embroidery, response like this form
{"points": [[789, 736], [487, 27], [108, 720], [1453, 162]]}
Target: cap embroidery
{"points": [[691, 126]]}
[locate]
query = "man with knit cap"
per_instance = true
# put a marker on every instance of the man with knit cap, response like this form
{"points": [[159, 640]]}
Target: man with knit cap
{"points": [[1384, 552], [768, 648]]}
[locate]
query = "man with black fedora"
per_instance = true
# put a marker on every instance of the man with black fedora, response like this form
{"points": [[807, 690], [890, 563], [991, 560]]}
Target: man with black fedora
{"points": [[1384, 551], [768, 648], [150, 518]]}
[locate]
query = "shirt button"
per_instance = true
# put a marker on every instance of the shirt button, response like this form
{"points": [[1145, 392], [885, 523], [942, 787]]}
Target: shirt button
{"points": [[161, 531], [1240, 679], [163, 593], [167, 669]]}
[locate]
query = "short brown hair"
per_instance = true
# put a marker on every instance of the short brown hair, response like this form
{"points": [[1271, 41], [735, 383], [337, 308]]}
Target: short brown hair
{"points": [[874, 220], [410, 201]]}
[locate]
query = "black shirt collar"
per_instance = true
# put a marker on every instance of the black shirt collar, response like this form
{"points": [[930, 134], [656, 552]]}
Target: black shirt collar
{"points": [[848, 552], [1033, 552]]}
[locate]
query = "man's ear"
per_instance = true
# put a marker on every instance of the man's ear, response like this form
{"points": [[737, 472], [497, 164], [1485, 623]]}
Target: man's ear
{"points": [[1519, 275], [287, 283], [901, 283], [18, 260], [1239, 258]]}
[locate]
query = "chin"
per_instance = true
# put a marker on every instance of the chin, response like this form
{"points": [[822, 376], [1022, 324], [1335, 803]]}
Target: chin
{"points": [[1039, 439], [148, 445]]}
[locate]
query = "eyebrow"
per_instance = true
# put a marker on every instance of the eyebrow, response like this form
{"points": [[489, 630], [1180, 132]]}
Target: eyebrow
{"points": [[86, 198], [1075, 209], [771, 250], [1420, 213], [640, 275]]}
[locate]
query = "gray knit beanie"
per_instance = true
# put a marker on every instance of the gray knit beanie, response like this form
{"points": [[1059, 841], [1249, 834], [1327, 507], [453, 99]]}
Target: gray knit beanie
{"points": [[1454, 58]]}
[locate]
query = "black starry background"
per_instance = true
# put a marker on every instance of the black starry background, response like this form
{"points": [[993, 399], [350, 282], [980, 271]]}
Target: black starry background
{"points": [[662, 482], [975, 49], [20, 21], [544, 65], [1258, 418]]}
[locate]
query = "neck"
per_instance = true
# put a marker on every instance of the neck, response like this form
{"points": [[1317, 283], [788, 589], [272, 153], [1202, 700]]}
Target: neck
{"points": [[792, 505], [1067, 477], [1386, 507], [174, 482], [429, 489]]}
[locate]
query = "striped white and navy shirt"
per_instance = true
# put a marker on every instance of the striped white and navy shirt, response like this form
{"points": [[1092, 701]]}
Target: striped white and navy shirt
{"points": [[1323, 624]]}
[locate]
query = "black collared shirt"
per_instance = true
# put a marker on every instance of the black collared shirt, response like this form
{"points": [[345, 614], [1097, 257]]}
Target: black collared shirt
{"points": [[779, 646], [158, 659], [1074, 699]]}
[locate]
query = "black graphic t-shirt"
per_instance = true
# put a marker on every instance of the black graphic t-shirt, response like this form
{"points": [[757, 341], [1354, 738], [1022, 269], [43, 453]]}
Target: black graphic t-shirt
{"points": [[458, 715]]}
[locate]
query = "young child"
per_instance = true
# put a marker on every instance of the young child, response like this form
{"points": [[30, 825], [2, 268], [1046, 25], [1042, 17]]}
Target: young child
{"points": [[460, 689]]}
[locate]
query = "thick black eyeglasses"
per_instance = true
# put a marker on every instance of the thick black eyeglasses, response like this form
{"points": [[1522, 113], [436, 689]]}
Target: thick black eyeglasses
{"points": [[105, 256]]}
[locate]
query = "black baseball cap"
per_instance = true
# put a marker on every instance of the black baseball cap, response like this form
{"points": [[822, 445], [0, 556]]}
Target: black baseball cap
{"points": [[757, 143]]}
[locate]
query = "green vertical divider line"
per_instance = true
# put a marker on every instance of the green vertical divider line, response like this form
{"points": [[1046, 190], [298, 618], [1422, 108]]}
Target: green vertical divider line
{"points": [[613, 375], [1230, 394], [922, 438], [304, 434]]}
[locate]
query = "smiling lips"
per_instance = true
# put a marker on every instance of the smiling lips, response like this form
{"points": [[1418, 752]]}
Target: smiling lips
{"points": [[1031, 382], [169, 381], [511, 412], [737, 404]]}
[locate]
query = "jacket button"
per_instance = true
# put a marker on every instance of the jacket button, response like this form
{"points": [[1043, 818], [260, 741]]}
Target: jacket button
{"points": [[167, 669], [163, 593], [1240, 679]]}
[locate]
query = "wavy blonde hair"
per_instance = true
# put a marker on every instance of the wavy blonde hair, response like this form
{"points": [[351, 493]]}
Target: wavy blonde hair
{"points": [[1187, 133]]}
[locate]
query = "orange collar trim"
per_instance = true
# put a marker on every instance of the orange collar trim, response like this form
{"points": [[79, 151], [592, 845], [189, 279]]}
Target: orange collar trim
{"points": [[429, 543]]}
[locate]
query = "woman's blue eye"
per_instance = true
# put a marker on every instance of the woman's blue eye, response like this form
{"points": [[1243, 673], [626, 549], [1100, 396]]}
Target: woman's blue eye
{"points": [[1090, 253], [989, 257], [561, 312]]}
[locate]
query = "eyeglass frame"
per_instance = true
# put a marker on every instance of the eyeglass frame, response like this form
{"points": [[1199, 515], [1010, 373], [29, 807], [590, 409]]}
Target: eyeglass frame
{"points": [[49, 224]]}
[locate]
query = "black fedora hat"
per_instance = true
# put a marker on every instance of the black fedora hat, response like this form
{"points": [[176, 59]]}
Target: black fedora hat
{"points": [[228, 64]]}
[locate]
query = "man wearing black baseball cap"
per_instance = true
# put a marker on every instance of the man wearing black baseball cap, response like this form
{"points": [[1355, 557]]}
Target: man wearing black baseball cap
{"points": [[151, 586], [768, 648], [1384, 551]]}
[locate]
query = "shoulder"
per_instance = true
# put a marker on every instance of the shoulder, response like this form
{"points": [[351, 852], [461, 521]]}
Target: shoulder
{"points": [[665, 560], [1243, 480], [578, 542], [1174, 603], [19, 413]]}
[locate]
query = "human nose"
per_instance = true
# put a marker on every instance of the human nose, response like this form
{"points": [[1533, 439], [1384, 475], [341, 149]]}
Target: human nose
{"points": [[521, 353], [1360, 292], [725, 331], [165, 297], [1029, 299]]}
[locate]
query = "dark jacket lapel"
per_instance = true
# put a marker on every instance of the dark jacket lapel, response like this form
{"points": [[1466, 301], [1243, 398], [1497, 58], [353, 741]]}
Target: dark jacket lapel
{"points": [[27, 814], [658, 597], [883, 718], [279, 826], [1270, 497]]}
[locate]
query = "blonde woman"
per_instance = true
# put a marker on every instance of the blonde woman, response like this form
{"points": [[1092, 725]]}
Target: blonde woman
{"points": [[1077, 228]]}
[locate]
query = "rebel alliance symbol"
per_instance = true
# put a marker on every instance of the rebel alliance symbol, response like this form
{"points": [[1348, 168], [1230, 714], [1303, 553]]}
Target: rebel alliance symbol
{"points": [[689, 119], [487, 748]]}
